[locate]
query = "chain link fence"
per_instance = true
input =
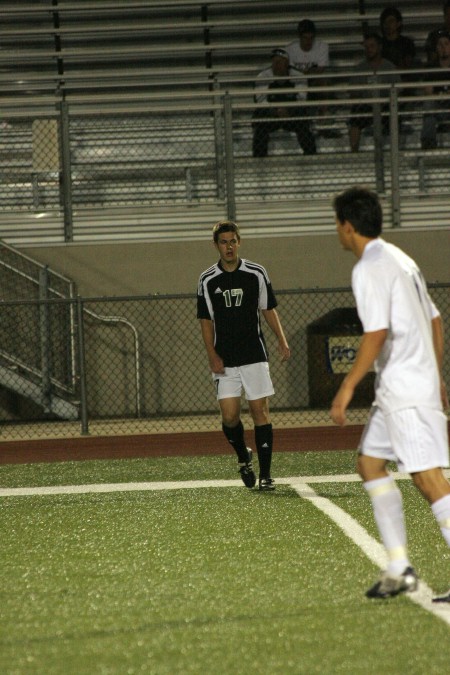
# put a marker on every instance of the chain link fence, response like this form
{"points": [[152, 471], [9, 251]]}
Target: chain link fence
{"points": [[138, 364]]}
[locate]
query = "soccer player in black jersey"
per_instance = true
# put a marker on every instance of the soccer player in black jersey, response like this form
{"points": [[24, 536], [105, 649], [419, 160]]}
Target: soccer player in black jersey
{"points": [[230, 298]]}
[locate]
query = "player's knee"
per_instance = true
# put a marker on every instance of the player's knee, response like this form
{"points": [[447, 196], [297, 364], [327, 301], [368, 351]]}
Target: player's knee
{"points": [[432, 484], [230, 420]]}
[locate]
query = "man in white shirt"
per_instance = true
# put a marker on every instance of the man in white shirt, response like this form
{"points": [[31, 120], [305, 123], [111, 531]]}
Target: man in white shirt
{"points": [[307, 53], [403, 338], [280, 85]]}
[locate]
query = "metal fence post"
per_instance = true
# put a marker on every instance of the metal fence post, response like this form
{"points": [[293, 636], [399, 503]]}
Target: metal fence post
{"points": [[378, 141], [44, 330], [218, 144], [82, 368], [229, 159], [66, 172], [394, 122]]}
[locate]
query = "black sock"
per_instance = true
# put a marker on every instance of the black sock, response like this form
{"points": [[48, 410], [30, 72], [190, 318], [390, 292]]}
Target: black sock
{"points": [[235, 437], [264, 442]]}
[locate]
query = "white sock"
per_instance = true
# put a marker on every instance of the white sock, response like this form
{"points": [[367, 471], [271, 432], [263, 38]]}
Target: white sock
{"points": [[441, 510], [387, 507]]}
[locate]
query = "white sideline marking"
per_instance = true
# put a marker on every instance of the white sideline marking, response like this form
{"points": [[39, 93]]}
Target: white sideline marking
{"points": [[167, 485], [372, 548], [301, 484]]}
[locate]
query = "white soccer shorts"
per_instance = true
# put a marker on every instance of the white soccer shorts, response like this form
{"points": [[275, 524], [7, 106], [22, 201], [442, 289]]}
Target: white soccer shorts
{"points": [[416, 439], [254, 379]]}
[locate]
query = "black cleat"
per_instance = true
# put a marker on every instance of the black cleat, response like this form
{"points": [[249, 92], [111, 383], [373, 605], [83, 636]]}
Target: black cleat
{"points": [[246, 471], [442, 598], [388, 586], [266, 484]]}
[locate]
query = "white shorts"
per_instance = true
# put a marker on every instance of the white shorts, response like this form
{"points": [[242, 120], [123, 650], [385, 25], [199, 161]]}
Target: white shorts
{"points": [[416, 439], [254, 379]]}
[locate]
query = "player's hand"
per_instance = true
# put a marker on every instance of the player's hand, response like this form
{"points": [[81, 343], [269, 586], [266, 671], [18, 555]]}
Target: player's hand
{"points": [[444, 396], [216, 364], [340, 404], [284, 350]]}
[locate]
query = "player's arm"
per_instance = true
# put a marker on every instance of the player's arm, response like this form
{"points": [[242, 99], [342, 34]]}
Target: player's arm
{"points": [[215, 362], [273, 320], [371, 345], [438, 341]]}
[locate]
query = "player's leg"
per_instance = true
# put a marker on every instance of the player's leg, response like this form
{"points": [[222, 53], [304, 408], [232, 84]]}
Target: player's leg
{"points": [[375, 451], [258, 387], [233, 429], [436, 489], [421, 440], [228, 390], [259, 410]]}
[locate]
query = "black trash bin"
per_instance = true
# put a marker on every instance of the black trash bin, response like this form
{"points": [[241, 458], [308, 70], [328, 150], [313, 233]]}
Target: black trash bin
{"points": [[332, 342]]}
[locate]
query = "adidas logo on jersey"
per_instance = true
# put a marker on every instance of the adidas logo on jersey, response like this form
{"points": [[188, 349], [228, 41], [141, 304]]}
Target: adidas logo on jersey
{"points": [[218, 290]]}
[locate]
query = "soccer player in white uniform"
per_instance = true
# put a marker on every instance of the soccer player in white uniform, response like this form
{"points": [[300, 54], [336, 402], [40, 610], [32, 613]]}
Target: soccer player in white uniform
{"points": [[403, 337], [230, 296]]}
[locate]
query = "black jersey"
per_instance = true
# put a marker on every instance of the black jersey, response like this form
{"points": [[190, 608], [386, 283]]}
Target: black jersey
{"points": [[232, 300]]}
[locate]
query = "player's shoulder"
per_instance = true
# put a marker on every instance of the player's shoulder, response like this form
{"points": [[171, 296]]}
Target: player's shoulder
{"points": [[258, 270], [209, 272]]}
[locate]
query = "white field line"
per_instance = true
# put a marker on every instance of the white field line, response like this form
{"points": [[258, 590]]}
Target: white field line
{"points": [[167, 485], [301, 484], [372, 548]]}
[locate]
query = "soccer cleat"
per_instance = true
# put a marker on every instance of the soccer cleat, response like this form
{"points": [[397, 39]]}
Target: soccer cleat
{"points": [[442, 598], [266, 484], [388, 586], [246, 471]]}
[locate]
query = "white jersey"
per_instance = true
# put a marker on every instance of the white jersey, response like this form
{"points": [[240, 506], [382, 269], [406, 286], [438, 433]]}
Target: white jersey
{"points": [[317, 56], [391, 294]]}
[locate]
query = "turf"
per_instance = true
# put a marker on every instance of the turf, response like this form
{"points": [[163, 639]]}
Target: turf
{"points": [[211, 580]]}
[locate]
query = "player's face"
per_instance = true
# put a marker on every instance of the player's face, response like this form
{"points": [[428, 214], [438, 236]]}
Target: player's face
{"points": [[343, 235], [228, 246]]}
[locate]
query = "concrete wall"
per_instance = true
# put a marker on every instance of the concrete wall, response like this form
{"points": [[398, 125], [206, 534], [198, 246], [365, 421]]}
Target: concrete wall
{"points": [[307, 261]]}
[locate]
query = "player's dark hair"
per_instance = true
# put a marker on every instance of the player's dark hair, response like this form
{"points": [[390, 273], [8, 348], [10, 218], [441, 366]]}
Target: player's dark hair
{"points": [[225, 226], [360, 207]]}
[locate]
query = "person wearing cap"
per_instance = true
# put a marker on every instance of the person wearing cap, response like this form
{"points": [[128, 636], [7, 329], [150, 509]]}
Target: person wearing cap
{"points": [[430, 43], [231, 296], [437, 111], [308, 53], [282, 85]]}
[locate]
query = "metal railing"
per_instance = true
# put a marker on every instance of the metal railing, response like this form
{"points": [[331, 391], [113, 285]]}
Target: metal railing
{"points": [[62, 172]]}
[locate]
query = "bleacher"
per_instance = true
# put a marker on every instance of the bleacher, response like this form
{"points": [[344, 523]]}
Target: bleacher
{"points": [[143, 84]]}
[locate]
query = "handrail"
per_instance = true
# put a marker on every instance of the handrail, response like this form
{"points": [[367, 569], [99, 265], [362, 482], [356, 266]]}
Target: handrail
{"points": [[137, 362]]}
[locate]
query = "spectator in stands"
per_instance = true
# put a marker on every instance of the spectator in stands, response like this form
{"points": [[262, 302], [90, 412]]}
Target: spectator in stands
{"points": [[307, 53], [380, 71], [431, 41], [437, 111], [397, 48], [270, 87]]}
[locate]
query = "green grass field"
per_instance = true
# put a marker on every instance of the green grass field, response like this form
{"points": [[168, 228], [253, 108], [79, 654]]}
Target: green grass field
{"points": [[207, 580]]}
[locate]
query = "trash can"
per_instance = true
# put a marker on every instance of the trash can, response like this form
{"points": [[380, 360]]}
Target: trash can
{"points": [[332, 343]]}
